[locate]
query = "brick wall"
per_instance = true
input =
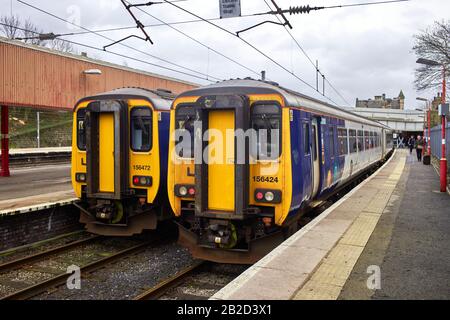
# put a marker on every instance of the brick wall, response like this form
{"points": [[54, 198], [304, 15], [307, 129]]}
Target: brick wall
{"points": [[25, 228]]}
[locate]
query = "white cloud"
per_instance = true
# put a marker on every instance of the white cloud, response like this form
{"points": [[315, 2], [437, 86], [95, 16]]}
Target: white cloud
{"points": [[364, 51]]}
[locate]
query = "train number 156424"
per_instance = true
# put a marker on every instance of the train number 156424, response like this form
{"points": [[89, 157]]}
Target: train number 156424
{"points": [[265, 179]]}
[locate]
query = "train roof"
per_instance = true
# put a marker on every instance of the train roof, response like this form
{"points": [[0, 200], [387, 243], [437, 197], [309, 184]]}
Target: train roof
{"points": [[161, 99], [291, 97]]}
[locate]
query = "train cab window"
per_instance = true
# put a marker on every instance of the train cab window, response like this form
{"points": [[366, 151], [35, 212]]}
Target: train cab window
{"points": [[306, 143], [141, 129], [352, 140], [360, 139], [342, 141], [184, 124], [81, 130], [266, 121]]}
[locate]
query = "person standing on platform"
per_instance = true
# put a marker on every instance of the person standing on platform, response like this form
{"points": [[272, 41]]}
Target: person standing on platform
{"points": [[411, 143], [419, 147]]}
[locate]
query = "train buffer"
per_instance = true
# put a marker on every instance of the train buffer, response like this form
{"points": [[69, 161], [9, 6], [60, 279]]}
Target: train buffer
{"points": [[387, 239]]}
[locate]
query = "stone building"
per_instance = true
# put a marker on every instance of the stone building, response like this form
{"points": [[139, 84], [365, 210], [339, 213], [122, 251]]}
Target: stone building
{"points": [[382, 102]]}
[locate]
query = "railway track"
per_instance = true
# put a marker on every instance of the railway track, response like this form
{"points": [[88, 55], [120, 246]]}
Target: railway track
{"points": [[12, 273], [42, 255], [198, 281]]}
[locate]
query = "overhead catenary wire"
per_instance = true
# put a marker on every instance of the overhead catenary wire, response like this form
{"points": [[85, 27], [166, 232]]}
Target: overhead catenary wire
{"points": [[309, 59], [118, 54], [205, 76], [252, 46], [198, 41], [153, 25]]}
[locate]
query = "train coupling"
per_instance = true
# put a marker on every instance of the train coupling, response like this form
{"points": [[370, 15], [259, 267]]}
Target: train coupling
{"points": [[222, 233], [111, 212]]}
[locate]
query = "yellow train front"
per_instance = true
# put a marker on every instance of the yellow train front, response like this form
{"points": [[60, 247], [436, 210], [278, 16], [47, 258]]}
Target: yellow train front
{"points": [[247, 157], [119, 160]]}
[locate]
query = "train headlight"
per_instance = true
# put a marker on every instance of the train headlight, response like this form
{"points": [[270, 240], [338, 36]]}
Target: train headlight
{"points": [[142, 181], [267, 196], [185, 191], [80, 177]]}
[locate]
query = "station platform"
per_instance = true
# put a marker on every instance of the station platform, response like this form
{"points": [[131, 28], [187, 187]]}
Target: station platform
{"points": [[38, 156], [22, 151], [35, 188], [386, 239]]}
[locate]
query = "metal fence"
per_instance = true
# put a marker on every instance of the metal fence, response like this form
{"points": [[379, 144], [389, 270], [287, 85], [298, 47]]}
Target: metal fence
{"points": [[34, 128], [436, 141]]}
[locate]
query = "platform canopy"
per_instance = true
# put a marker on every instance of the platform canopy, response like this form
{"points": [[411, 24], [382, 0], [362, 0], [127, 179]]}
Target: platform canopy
{"points": [[34, 76]]}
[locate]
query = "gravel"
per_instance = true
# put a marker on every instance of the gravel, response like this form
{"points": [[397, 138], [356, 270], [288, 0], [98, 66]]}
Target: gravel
{"points": [[129, 276]]}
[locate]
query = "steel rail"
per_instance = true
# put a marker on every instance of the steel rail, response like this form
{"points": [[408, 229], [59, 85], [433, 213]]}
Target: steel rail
{"points": [[169, 283], [41, 255], [39, 288]]}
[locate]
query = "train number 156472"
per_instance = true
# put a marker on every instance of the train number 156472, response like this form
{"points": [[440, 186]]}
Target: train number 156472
{"points": [[139, 167]]}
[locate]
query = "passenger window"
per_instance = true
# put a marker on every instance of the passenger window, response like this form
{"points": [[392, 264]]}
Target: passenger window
{"points": [[306, 146], [366, 140], [331, 141], [314, 128], [360, 141], [352, 141], [265, 120], [342, 138], [184, 125], [81, 130], [141, 129], [371, 140]]}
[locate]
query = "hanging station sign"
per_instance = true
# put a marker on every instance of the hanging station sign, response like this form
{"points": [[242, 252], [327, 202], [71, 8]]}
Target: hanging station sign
{"points": [[230, 8]]}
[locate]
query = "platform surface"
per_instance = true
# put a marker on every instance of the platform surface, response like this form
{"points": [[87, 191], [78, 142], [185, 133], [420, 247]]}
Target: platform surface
{"points": [[38, 150], [394, 220], [28, 187]]}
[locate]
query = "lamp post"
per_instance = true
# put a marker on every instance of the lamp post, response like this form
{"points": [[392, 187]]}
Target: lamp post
{"points": [[428, 110], [443, 161]]}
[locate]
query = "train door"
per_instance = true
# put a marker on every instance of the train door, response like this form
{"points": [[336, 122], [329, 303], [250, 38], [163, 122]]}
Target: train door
{"points": [[106, 152], [307, 162], [221, 177], [107, 149], [315, 157]]}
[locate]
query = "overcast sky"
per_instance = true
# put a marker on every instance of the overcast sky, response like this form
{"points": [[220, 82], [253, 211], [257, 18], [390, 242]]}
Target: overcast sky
{"points": [[363, 51]]}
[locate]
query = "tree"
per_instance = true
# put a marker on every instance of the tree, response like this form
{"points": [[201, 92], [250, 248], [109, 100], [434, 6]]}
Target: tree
{"points": [[61, 45], [10, 26], [31, 33], [432, 44]]}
